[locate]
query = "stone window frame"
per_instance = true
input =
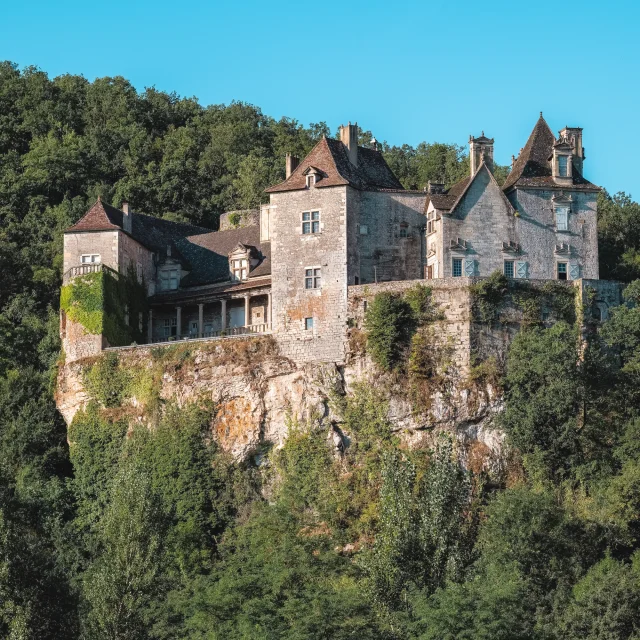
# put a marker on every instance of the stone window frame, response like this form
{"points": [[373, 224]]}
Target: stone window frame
{"points": [[313, 277], [431, 222], [311, 223], [91, 257]]}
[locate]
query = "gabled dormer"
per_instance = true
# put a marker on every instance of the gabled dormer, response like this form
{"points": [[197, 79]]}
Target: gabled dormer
{"points": [[241, 261], [562, 161], [312, 175]]}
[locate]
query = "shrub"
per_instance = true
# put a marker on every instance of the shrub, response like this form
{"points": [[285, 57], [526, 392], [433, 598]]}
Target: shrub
{"points": [[390, 323], [106, 381], [488, 296]]}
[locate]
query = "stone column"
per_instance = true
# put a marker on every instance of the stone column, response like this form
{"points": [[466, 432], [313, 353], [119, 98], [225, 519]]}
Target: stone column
{"points": [[150, 327], [247, 313], [200, 319], [223, 314], [178, 322], [267, 315]]}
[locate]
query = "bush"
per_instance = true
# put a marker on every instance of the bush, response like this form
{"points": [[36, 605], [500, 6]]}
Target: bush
{"points": [[488, 296], [106, 381], [390, 322]]}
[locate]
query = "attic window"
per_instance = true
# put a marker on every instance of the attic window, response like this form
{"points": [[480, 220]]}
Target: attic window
{"points": [[311, 180], [239, 269], [562, 166], [169, 279]]}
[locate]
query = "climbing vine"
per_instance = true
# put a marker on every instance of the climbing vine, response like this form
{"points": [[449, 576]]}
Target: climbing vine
{"points": [[107, 303]]}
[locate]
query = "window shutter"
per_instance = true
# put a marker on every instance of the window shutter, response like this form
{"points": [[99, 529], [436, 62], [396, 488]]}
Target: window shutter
{"points": [[469, 267], [574, 271], [521, 269], [435, 269]]}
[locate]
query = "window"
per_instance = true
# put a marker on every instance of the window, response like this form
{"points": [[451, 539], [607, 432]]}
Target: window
{"points": [[139, 271], [311, 180], [562, 270], [508, 268], [457, 268], [430, 272], [310, 222], [168, 279], [364, 230], [562, 166], [193, 329], [140, 321], [170, 328], [239, 269], [92, 258], [403, 232], [308, 324], [312, 278], [562, 218]]}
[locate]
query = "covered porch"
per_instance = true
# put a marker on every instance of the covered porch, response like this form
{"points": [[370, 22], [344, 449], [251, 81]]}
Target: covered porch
{"points": [[210, 316]]}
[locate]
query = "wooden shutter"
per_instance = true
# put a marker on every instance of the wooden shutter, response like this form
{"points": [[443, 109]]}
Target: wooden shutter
{"points": [[521, 269], [469, 267], [574, 271]]}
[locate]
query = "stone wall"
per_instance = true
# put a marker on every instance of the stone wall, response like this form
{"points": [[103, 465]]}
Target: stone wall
{"points": [[536, 231], [130, 254], [242, 218], [387, 235], [482, 219], [104, 243], [292, 253]]}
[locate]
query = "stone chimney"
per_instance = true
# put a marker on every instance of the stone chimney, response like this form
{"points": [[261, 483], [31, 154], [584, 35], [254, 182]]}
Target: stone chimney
{"points": [[349, 138], [480, 149], [127, 222], [291, 163], [574, 136], [435, 187]]}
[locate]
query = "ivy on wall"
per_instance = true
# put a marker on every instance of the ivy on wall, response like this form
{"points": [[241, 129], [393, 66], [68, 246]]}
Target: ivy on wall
{"points": [[107, 303]]}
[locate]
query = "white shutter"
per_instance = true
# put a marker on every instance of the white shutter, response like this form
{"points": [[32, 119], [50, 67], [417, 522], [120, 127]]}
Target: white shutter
{"points": [[469, 267], [574, 271], [521, 269]]}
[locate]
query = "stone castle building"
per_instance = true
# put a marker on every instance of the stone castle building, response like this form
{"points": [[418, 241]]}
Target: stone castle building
{"points": [[341, 218]]}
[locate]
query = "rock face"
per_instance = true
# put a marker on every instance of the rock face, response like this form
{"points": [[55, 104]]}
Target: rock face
{"points": [[259, 395]]}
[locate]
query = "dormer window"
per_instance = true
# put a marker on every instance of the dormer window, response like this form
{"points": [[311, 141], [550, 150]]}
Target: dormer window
{"points": [[563, 163], [239, 269], [169, 278], [311, 180]]}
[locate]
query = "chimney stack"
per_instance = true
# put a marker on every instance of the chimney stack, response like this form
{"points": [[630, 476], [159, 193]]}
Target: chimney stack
{"points": [[435, 187], [349, 138], [480, 150], [291, 163], [574, 136], [127, 225]]}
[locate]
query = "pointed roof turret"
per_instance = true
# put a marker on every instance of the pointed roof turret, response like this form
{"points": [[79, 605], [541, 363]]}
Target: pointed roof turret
{"points": [[532, 168]]}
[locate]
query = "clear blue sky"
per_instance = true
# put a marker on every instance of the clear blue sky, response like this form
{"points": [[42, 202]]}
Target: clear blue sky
{"points": [[409, 71]]}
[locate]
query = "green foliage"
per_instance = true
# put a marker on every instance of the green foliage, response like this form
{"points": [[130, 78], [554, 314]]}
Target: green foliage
{"points": [[605, 603], [390, 323], [106, 381], [618, 236], [488, 295], [83, 301], [123, 580], [421, 302], [234, 218]]}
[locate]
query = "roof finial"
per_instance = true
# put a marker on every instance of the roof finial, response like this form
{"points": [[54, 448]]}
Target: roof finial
{"points": [[99, 198], [483, 134], [541, 114]]}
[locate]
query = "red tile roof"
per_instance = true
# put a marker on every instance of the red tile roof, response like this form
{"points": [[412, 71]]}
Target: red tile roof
{"points": [[331, 158], [101, 217], [533, 167]]}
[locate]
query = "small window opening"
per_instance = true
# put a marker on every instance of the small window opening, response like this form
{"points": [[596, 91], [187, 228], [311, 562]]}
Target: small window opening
{"points": [[508, 268], [308, 324], [457, 268], [312, 278], [562, 270], [310, 222], [92, 258]]}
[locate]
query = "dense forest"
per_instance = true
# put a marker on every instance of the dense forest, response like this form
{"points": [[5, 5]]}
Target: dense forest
{"points": [[160, 535]]}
